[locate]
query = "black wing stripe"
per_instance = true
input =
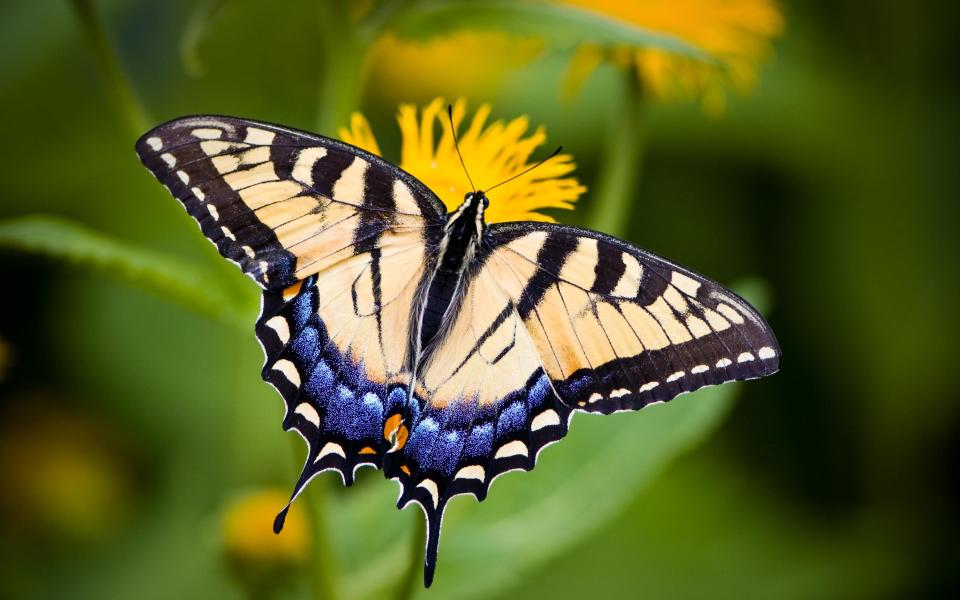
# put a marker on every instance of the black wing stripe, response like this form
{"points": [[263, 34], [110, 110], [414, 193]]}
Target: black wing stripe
{"points": [[609, 269], [550, 258]]}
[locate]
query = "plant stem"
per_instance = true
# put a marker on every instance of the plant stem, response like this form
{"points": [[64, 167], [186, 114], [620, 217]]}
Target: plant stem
{"points": [[621, 163], [314, 496], [105, 58], [344, 64], [408, 583]]}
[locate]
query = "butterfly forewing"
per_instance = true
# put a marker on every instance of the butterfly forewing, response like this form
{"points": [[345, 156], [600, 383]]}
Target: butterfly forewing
{"points": [[617, 327], [281, 203]]}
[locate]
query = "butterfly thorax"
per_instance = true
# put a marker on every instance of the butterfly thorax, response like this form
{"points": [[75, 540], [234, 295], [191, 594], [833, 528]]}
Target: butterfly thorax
{"points": [[462, 236]]}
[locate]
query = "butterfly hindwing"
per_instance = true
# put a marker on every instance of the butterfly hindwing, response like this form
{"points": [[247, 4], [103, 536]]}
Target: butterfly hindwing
{"points": [[619, 328], [489, 407], [336, 353], [281, 203]]}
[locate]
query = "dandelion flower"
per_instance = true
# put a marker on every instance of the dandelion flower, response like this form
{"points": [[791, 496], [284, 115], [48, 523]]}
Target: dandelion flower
{"points": [[735, 35], [493, 152]]}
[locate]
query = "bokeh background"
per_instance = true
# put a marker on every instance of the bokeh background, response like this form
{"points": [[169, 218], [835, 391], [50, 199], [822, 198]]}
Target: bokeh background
{"points": [[141, 455]]}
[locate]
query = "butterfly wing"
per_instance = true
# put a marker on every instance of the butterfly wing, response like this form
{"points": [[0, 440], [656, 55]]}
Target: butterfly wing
{"points": [[619, 328], [488, 407], [283, 204], [339, 239], [556, 319]]}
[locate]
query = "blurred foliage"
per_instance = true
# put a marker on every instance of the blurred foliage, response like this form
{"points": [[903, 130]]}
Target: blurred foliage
{"points": [[132, 415]]}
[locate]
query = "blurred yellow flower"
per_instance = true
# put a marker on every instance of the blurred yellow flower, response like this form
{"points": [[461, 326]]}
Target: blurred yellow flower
{"points": [[63, 476], [493, 153], [260, 560], [463, 63], [735, 34], [247, 530]]}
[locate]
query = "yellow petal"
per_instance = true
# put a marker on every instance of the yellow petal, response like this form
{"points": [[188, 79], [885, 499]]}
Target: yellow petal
{"points": [[492, 152]]}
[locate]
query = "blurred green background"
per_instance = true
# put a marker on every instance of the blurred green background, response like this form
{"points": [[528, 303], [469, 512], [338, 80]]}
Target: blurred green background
{"points": [[141, 455]]}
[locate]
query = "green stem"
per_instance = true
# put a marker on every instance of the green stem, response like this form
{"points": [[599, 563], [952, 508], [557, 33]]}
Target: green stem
{"points": [[408, 583], [344, 63], [621, 163], [105, 58], [314, 497]]}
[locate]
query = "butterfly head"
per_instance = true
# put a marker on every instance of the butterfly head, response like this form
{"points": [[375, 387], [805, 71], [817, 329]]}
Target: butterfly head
{"points": [[477, 198], [469, 215]]}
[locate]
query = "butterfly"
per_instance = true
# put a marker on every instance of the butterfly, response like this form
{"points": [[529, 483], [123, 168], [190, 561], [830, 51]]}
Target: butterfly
{"points": [[434, 346]]}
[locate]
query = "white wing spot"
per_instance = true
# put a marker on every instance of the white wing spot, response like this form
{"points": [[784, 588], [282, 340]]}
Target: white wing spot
{"points": [[675, 376], [248, 251], [169, 159], [259, 136], [228, 233], [745, 357], [595, 397], [183, 177], [619, 393], [514, 448], [289, 371], [431, 486], [213, 212], [547, 418], [685, 284], [196, 192], [700, 369], [207, 133], [471, 472], [648, 386], [730, 313], [724, 363], [280, 326], [766, 353], [309, 413], [155, 143], [331, 448]]}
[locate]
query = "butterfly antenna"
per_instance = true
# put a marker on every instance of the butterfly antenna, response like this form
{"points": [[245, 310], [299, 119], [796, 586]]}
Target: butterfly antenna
{"points": [[456, 144], [555, 152]]}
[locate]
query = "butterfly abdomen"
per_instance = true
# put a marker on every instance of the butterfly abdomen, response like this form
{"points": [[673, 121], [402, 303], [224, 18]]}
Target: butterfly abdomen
{"points": [[456, 253]]}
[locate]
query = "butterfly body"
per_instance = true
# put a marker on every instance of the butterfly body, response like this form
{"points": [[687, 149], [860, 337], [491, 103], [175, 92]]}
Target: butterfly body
{"points": [[432, 345], [462, 237]]}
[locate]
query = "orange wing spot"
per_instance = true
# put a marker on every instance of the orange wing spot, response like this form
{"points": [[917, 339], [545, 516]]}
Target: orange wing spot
{"points": [[291, 292], [367, 450], [402, 434], [390, 427], [405, 469]]}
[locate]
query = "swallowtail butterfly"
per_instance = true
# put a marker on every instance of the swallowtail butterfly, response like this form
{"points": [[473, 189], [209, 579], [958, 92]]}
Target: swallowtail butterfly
{"points": [[432, 345]]}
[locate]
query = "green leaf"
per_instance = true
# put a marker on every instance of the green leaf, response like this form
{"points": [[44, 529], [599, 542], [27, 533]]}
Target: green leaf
{"points": [[165, 275], [556, 23], [198, 25], [579, 485]]}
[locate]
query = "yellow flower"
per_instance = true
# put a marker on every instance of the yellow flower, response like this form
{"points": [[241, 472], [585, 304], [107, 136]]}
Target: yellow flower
{"points": [[473, 64], [247, 530], [493, 153], [735, 35], [63, 476], [263, 562]]}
